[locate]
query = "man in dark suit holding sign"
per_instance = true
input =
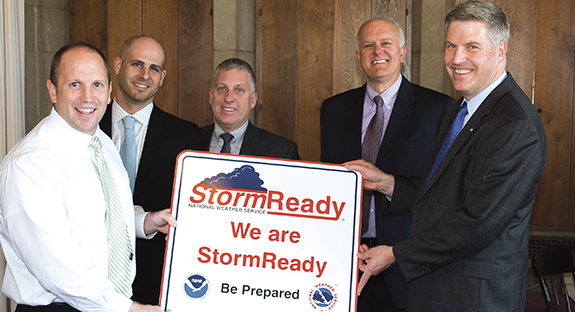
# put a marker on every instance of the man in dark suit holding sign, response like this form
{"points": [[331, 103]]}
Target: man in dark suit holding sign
{"points": [[408, 129], [468, 249], [232, 97], [157, 137]]}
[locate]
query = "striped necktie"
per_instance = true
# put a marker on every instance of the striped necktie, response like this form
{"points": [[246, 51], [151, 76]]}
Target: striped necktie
{"points": [[118, 239]]}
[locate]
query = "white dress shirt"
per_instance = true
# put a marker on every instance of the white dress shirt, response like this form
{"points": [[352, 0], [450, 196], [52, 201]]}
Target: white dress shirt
{"points": [[52, 221], [140, 127]]}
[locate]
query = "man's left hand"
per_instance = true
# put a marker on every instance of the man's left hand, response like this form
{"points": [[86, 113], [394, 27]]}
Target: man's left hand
{"points": [[373, 261]]}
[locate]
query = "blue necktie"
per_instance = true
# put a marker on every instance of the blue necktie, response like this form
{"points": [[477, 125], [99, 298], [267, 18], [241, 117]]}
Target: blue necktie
{"points": [[128, 149], [451, 135], [449, 138]]}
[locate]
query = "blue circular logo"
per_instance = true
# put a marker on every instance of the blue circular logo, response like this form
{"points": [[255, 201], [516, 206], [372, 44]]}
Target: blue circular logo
{"points": [[196, 286], [322, 297]]}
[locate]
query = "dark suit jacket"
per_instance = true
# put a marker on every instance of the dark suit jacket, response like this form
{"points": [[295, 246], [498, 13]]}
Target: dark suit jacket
{"points": [[257, 142], [469, 244], [167, 136], [406, 147]]}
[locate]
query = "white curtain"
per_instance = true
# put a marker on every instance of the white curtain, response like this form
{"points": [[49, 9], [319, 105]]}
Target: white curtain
{"points": [[12, 52]]}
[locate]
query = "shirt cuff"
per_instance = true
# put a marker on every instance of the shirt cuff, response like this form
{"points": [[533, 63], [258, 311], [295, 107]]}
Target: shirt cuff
{"points": [[139, 219]]}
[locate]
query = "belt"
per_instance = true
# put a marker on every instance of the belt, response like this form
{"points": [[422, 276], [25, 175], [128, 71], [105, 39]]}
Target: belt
{"points": [[52, 307]]}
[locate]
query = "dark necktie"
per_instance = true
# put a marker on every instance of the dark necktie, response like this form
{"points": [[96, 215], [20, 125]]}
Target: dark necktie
{"points": [[369, 151], [451, 135], [227, 139]]}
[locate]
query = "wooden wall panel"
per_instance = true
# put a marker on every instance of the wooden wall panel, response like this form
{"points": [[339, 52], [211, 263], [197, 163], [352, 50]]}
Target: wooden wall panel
{"points": [[521, 50], [159, 19], [348, 17], [90, 13], [124, 21], [554, 97], [314, 71], [277, 73], [195, 59]]}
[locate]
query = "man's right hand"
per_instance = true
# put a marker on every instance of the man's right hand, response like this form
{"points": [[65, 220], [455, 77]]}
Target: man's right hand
{"points": [[373, 178]]}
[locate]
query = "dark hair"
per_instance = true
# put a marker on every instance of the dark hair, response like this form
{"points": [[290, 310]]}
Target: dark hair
{"points": [[57, 59], [239, 64], [492, 15]]}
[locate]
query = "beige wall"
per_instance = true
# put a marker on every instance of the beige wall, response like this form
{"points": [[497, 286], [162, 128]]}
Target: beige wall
{"points": [[428, 44]]}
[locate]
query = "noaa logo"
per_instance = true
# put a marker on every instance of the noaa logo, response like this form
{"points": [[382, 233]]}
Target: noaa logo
{"points": [[322, 297], [196, 286]]}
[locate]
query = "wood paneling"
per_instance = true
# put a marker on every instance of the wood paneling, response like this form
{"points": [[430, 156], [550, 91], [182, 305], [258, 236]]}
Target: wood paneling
{"points": [[554, 98], [314, 71], [195, 53], [349, 15], [158, 21], [277, 72], [86, 23], [124, 20], [307, 51], [183, 27]]}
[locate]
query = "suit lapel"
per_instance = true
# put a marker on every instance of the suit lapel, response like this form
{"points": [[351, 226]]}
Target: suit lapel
{"points": [[206, 137], [251, 137], [106, 122], [473, 124], [152, 144], [401, 112], [352, 138]]}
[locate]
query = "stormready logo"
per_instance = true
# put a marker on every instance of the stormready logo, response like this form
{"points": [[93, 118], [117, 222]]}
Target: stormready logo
{"points": [[242, 190]]}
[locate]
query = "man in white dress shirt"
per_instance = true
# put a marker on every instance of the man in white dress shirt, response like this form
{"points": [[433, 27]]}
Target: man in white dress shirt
{"points": [[53, 207]]}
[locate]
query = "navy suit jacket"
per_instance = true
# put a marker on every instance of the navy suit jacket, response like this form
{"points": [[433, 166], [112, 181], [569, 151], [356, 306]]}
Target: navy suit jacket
{"points": [[257, 142], [470, 228], [167, 136], [407, 144]]}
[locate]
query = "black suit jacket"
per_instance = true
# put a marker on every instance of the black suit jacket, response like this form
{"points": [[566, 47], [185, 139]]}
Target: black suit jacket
{"points": [[470, 228], [257, 142], [167, 136], [407, 144]]}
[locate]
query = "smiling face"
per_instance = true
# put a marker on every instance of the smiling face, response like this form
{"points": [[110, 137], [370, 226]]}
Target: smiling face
{"points": [[140, 73], [232, 98], [471, 59], [380, 53], [82, 90]]}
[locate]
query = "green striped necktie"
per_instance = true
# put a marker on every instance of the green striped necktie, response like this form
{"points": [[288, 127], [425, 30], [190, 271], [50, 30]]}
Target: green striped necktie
{"points": [[118, 239]]}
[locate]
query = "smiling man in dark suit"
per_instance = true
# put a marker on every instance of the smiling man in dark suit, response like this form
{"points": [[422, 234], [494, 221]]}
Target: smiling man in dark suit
{"points": [[408, 128], [158, 138], [470, 215], [232, 97]]}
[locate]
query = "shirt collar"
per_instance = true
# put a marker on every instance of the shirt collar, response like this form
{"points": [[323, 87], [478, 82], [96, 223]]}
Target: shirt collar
{"points": [[389, 95], [238, 133], [474, 103], [74, 140], [142, 116]]}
